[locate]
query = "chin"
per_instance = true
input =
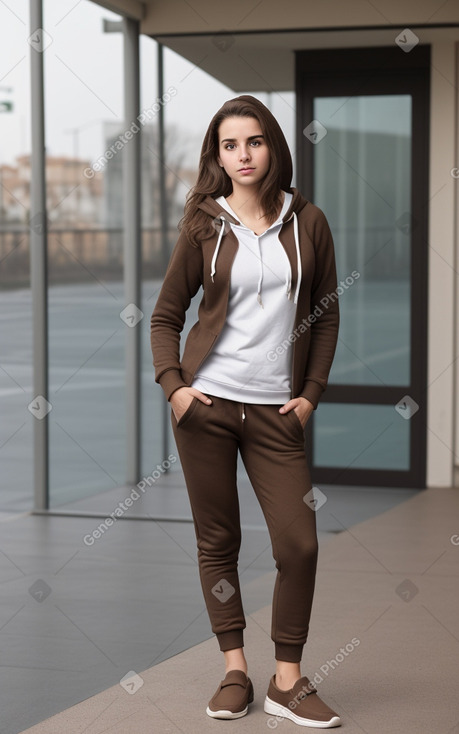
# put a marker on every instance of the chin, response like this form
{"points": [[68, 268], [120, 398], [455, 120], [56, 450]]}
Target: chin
{"points": [[250, 179]]}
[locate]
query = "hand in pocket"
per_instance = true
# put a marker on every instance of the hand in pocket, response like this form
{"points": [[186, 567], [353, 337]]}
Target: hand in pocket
{"points": [[182, 398]]}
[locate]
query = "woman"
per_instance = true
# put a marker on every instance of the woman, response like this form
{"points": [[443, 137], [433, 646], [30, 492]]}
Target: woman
{"points": [[253, 369]]}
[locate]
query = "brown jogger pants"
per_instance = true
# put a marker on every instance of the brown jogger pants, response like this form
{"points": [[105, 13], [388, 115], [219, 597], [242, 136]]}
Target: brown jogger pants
{"points": [[271, 445]]}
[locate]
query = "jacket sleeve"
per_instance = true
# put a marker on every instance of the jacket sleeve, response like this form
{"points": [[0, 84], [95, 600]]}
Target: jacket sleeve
{"points": [[324, 308], [181, 282]]}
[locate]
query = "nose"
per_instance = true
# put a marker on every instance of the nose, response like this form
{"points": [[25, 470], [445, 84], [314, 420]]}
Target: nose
{"points": [[244, 155]]}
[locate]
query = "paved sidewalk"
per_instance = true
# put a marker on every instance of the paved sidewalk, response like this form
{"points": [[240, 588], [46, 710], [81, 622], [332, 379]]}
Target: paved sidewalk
{"points": [[388, 589]]}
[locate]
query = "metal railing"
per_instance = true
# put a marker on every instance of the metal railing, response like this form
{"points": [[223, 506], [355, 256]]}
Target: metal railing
{"points": [[72, 252]]}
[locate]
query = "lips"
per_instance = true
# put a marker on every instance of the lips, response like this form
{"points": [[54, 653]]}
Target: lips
{"points": [[245, 170]]}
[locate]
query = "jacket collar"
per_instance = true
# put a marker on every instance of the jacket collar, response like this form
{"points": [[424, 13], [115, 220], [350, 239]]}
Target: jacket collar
{"points": [[289, 236], [210, 206]]}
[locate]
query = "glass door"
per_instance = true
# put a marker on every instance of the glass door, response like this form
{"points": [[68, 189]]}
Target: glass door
{"points": [[364, 162]]}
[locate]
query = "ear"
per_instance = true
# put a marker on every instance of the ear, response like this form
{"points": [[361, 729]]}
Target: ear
{"points": [[219, 162]]}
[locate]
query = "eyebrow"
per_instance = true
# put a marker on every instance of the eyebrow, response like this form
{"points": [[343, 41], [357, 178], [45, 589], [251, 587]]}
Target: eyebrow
{"points": [[233, 140]]}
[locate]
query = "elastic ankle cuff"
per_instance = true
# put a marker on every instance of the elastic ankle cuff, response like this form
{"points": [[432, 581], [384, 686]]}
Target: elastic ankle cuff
{"points": [[288, 653], [230, 640]]}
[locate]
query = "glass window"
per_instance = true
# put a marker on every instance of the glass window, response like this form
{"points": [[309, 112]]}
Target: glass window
{"points": [[362, 180], [84, 117], [361, 437]]}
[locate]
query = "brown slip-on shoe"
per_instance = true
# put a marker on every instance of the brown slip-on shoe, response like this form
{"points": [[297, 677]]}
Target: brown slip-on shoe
{"points": [[232, 697], [300, 704]]}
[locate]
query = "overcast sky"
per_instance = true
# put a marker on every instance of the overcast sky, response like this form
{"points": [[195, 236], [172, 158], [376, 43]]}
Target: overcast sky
{"points": [[84, 82]]}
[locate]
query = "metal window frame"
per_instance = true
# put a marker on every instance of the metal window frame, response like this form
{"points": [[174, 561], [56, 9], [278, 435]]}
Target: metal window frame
{"points": [[378, 71]]}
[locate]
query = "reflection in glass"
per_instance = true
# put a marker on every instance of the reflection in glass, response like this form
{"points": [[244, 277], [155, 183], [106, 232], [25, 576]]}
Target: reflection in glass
{"points": [[84, 115], [362, 181], [361, 437]]}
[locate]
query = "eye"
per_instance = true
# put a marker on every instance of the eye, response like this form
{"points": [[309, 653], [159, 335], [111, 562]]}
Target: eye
{"points": [[256, 143], [229, 146]]}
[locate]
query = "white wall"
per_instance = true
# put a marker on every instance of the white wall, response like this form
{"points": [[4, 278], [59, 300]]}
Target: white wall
{"points": [[443, 280]]}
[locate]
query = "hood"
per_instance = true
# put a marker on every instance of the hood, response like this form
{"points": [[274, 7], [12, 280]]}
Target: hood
{"points": [[221, 216], [211, 207]]}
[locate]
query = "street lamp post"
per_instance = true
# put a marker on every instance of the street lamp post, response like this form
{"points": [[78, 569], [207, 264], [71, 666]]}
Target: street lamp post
{"points": [[75, 131]]}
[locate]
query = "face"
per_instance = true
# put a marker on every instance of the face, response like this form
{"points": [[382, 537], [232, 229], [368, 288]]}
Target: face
{"points": [[243, 151]]}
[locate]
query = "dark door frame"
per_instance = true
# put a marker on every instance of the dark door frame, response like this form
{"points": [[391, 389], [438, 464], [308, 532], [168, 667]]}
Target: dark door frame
{"points": [[370, 71]]}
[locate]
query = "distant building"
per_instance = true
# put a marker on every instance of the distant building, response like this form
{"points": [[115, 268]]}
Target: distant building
{"points": [[72, 199], [78, 200]]}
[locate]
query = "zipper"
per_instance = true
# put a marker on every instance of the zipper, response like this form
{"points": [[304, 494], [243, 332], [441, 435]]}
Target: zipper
{"points": [[243, 412]]}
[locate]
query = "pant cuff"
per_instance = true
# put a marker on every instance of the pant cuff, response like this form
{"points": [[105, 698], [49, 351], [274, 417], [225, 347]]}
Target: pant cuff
{"points": [[288, 653], [231, 639]]}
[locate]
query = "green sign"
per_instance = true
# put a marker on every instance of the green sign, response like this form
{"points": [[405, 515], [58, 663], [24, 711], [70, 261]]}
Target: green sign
{"points": [[6, 106]]}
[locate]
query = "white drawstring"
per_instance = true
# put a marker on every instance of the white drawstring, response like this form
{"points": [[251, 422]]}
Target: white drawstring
{"points": [[298, 257], [260, 279], [220, 237]]}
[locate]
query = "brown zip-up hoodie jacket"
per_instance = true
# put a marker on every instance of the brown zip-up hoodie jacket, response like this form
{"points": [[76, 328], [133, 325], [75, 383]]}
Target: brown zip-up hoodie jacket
{"points": [[315, 335]]}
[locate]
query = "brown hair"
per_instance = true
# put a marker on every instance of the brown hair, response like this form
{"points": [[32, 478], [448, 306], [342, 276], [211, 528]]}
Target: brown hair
{"points": [[214, 181]]}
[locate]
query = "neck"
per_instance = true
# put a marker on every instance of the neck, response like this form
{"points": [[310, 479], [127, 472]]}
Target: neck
{"points": [[246, 200]]}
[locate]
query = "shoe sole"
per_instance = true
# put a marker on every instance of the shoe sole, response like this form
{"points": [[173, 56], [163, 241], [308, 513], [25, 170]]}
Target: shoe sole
{"points": [[226, 714], [275, 709]]}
